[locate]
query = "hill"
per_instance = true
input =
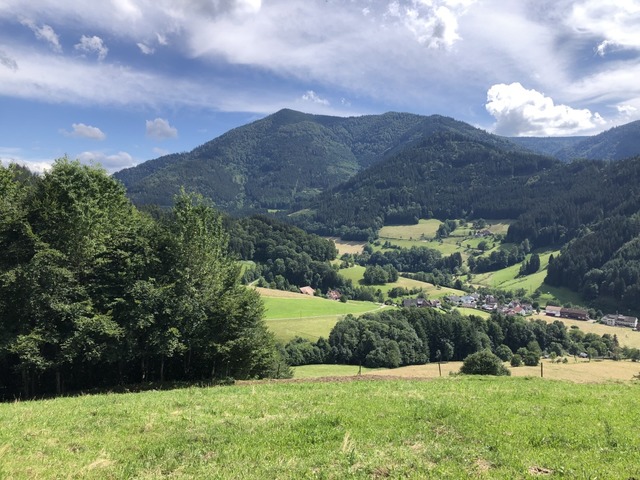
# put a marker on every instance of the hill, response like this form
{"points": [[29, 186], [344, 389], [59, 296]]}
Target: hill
{"points": [[617, 143], [450, 428], [285, 158]]}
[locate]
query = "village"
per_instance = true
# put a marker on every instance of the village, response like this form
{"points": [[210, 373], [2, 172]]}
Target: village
{"points": [[488, 303]]}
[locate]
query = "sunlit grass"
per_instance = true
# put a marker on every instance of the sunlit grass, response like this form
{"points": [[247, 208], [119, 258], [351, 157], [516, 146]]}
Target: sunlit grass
{"points": [[448, 428]]}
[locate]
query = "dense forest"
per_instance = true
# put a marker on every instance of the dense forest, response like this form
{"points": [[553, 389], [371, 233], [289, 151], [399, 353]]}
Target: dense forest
{"points": [[93, 292]]}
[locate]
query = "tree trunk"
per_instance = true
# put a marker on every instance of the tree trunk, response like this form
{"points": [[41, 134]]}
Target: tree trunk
{"points": [[162, 369]]}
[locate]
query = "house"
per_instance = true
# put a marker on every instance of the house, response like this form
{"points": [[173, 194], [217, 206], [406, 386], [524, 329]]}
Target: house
{"points": [[553, 311], [307, 291], [575, 313], [620, 321], [415, 302], [334, 295]]}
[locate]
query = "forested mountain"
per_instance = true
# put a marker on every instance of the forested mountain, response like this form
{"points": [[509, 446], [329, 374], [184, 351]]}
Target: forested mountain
{"points": [[617, 143], [284, 158], [446, 175]]}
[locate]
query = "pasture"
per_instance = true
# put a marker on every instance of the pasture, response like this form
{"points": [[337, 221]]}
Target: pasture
{"points": [[290, 314], [449, 428], [575, 371]]}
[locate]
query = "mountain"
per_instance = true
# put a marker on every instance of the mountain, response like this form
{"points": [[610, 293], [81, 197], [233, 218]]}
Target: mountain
{"points": [[444, 175], [285, 158], [617, 143]]}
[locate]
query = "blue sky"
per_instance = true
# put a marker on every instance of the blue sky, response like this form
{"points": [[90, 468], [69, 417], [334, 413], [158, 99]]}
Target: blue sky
{"points": [[119, 82]]}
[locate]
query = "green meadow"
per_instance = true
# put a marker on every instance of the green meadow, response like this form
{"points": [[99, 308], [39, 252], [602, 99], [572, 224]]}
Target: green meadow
{"points": [[448, 428]]}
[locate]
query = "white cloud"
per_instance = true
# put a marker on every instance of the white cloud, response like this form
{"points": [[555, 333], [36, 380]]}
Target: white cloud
{"points": [[615, 22], [160, 129], [311, 96], [522, 112], [45, 33], [626, 109], [7, 61], [111, 163], [92, 45], [15, 155], [145, 48], [85, 131]]}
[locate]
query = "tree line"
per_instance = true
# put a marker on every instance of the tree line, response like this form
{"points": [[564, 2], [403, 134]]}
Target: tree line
{"points": [[410, 336], [94, 292]]}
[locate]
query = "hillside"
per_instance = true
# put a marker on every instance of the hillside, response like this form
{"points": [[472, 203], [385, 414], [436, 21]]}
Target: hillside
{"points": [[283, 159], [617, 143], [447, 428]]}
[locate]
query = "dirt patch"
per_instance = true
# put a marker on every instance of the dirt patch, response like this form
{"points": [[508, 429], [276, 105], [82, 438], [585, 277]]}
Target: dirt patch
{"points": [[535, 470]]}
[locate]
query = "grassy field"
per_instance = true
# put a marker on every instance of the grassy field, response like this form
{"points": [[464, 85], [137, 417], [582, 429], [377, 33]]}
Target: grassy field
{"points": [[626, 336], [356, 273], [317, 371], [575, 371], [449, 428]]}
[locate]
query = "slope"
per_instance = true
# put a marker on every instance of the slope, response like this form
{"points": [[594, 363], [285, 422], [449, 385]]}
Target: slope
{"points": [[282, 159]]}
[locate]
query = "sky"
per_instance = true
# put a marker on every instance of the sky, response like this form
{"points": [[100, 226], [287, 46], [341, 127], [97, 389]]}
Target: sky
{"points": [[119, 82]]}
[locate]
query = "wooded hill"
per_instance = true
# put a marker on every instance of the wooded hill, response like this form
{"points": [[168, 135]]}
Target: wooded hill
{"points": [[350, 176], [285, 158], [617, 143]]}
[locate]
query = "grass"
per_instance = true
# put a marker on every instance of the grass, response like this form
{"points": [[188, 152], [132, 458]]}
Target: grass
{"points": [[423, 229], [324, 370], [449, 428], [626, 336], [575, 371]]}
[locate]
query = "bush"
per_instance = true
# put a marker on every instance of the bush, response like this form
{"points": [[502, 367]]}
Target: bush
{"points": [[483, 363], [516, 360], [531, 359], [504, 352]]}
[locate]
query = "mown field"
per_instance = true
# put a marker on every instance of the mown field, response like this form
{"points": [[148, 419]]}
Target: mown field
{"points": [[290, 315], [449, 428]]}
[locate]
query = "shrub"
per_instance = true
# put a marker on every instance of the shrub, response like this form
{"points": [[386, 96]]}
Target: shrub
{"points": [[504, 352], [516, 360], [483, 363]]}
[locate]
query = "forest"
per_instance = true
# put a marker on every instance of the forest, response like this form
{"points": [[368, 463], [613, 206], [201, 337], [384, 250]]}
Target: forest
{"points": [[94, 292], [412, 336]]}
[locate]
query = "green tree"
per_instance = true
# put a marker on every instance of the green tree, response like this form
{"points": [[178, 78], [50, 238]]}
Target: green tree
{"points": [[483, 363]]}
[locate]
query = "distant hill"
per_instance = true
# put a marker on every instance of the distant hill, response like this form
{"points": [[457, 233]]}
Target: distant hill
{"points": [[285, 158], [617, 143]]}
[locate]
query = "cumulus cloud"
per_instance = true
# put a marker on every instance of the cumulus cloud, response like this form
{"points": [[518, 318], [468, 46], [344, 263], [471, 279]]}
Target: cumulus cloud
{"points": [[92, 45], [45, 33], [522, 112], [434, 23], [311, 96], [111, 163], [160, 129], [85, 131], [629, 110], [7, 61]]}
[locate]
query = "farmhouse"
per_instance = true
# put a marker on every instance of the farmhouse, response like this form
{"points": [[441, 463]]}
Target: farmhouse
{"points": [[620, 321], [334, 295], [575, 313], [307, 291], [552, 311]]}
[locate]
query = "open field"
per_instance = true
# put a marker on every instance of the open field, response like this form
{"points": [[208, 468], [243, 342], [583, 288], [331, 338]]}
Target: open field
{"points": [[290, 314], [356, 273], [449, 428], [626, 336], [424, 229], [325, 370], [576, 371], [346, 246]]}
